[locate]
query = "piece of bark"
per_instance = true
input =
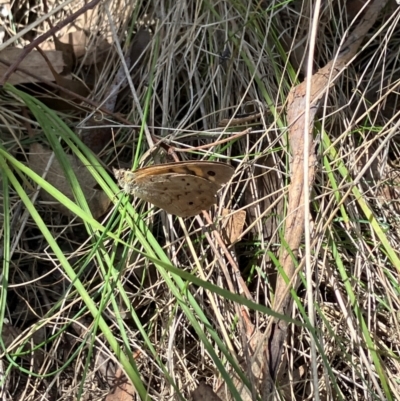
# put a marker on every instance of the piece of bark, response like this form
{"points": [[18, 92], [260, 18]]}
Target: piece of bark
{"points": [[321, 81]]}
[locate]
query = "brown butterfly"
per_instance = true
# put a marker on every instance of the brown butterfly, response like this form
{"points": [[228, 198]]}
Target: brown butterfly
{"points": [[183, 188]]}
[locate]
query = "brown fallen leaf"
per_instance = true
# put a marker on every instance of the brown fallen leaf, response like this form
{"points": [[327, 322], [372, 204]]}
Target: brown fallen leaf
{"points": [[11, 334], [79, 41], [232, 225], [34, 62], [97, 200], [354, 8], [122, 390], [204, 392], [75, 86]]}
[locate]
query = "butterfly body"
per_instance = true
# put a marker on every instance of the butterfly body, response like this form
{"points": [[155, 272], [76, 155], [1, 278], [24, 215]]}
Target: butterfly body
{"points": [[183, 189]]}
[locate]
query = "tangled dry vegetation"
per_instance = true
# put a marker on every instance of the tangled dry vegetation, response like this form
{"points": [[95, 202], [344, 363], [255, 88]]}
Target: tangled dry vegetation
{"points": [[288, 289]]}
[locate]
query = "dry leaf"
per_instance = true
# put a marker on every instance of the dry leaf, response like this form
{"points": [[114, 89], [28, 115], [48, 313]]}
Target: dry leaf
{"points": [[32, 62], [9, 334], [204, 392], [72, 85], [232, 225], [123, 389], [353, 8], [96, 139], [79, 43], [97, 200], [79, 40]]}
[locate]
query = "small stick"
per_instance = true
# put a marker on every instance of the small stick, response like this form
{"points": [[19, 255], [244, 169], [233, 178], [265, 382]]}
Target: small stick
{"points": [[208, 145], [172, 151], [240, 120], [231, 122]]}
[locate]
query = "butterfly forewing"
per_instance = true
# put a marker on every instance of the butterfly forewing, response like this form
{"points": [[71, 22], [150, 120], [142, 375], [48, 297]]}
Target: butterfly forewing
{"points": [[217, 172], [178, 194], [183, 189]]}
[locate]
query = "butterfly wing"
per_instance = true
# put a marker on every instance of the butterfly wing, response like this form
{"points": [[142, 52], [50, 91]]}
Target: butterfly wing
{"points": [[183, 189], [216, 172], [178, 194]]}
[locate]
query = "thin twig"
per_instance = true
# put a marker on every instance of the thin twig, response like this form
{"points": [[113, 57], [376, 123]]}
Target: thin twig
{"points": [[209, 145]]}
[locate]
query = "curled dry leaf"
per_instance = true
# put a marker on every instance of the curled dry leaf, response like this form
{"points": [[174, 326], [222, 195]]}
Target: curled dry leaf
{"points": [[79, 42], [97, 200], [232, 225]]}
